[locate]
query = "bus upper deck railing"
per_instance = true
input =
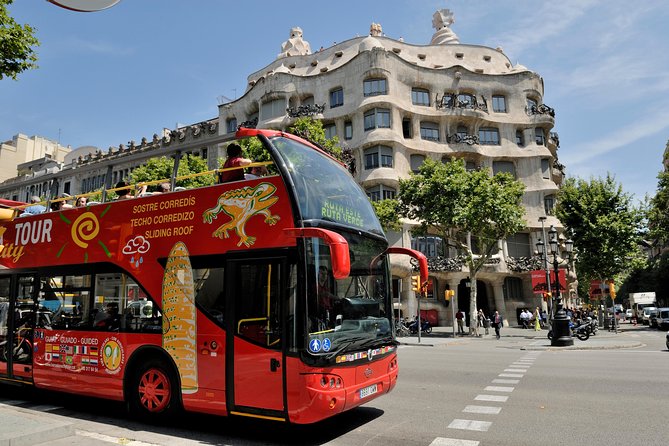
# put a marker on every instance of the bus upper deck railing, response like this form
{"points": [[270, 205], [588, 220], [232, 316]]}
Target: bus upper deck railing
{"points": [[136, 187]]}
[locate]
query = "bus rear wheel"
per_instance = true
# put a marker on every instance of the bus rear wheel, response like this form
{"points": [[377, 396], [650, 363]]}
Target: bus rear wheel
{"points": [[153, 392]]}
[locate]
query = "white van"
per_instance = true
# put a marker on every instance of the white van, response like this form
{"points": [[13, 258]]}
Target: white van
{"points": [[646, 315], [663, 318]]}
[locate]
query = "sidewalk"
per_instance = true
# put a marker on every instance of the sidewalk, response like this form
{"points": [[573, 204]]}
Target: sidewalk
{"points": [[536, 340]]}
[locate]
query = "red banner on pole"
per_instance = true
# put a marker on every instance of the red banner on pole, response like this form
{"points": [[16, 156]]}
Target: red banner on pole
{"points": [[539, 281]]}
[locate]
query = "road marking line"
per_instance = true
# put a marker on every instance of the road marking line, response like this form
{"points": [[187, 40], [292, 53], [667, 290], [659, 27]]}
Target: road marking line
{"points": [[510, 375], [515, 370], [506, 381], [45, 408], [440, 441], [521, 364], [496, 398], [488, 410], [499, 389], [470, 425]]}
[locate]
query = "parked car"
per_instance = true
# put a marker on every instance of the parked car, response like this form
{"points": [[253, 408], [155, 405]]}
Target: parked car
{"points": [[668, 340], [645, 320], [629, 313], [663, 318], [652, 318]]}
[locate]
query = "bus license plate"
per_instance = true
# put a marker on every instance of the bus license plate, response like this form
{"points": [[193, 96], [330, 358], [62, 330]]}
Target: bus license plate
{"points": [[369, 390]]}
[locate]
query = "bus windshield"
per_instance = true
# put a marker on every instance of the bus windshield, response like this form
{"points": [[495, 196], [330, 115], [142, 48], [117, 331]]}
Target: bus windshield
{"points": [[325, 189], [348, 313]]}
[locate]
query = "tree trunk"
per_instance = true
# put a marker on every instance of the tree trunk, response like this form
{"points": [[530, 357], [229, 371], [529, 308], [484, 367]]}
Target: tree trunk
{"points": [[473, 310]]}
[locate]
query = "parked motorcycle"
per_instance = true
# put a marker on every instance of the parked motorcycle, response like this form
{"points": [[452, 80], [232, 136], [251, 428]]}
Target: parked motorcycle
{"points": [[582, 331], [425, 326]]}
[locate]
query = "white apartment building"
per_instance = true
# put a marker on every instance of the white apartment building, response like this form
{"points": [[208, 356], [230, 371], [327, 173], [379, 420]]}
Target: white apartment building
{"points": [[394, 104]]}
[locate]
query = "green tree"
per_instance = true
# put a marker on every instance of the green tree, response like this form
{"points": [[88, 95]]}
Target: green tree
{"points": [[448, 200], [386, 212], [605, 226], [16, 45], [157, 169], [658, 212]]}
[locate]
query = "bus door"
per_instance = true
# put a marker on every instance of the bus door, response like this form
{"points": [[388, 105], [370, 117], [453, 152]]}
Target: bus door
{"points": [[255, 362], [17, 332]]}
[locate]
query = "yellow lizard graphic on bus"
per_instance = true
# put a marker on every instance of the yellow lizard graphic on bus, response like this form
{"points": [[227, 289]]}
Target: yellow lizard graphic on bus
{"points": [[240, 205]]}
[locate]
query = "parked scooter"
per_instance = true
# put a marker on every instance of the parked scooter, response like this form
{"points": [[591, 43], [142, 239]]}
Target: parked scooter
{"points": [[582, 331], [425, 326]]}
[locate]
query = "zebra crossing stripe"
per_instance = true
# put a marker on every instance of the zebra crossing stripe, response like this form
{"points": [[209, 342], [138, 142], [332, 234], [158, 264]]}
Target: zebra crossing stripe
{"points": [[495, 398], [470, 425], [498, 389], [440, 441], [488, 410]]}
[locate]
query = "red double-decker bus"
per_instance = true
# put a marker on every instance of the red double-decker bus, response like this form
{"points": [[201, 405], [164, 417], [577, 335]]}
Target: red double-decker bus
{"points": [[267, 297]]}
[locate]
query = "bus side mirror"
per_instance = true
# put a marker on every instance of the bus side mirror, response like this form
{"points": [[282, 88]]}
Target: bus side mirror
{"points": [[341, 261]]}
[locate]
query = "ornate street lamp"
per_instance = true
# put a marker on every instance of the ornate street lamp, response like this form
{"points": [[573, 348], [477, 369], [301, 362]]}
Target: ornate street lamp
{"points": [[541, 248], [561, 331]]}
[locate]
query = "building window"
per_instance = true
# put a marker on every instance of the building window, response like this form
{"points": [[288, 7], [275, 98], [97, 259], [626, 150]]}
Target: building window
{"points": [[378, 156], [549, 204], [466, 100], [539, 136], [513, 288], [420, 96], [462, 132], [309, 100], [545, 168], [66, 187], [489, 136], [377, 118], [520, 139], [499, 104], [470, 165], [330, 131], [380, 192], [503, 166], [518, 245], [337, 97], [416, 161], [531, 105], [429, 131], [406, 128], [231, 125], [348, 130], [204, 154], [428, 245], [273, 109], [374, 87]]}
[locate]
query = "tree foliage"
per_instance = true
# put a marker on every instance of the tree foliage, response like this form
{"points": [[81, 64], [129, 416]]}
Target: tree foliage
{"points": [[161, 168], [16, 45], [449, 200], [658, 212], [386, 212], [604, 225]]}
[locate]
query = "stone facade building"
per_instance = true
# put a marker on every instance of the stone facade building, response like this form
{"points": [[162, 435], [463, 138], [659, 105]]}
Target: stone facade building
{"points": [[394, 104]]}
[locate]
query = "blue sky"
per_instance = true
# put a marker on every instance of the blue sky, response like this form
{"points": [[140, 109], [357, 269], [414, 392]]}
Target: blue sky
{"points": [[127, 72]]}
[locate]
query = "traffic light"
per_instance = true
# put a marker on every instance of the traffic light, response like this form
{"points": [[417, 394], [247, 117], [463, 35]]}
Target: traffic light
{"points": [[415, 283], [547, 296], [448, 294], [612, 290]]}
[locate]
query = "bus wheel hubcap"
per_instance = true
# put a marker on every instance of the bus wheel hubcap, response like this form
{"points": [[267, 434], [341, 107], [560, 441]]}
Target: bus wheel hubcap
{"points": [[154, 390]]}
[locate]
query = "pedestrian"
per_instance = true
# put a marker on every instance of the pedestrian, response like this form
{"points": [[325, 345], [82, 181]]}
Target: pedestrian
{"points": [[459, 317], [482, 321], [497, 323], [524, 318], [537, 320]]}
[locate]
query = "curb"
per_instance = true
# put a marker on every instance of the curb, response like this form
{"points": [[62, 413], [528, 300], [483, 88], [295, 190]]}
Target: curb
{"points": [[21, 428]]}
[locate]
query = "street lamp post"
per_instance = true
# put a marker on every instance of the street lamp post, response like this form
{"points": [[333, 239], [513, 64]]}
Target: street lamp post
{"points": [[542, 250], [561, 331]]}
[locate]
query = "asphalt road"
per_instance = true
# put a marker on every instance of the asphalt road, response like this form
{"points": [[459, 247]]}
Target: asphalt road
{"points": [[466, 393]]}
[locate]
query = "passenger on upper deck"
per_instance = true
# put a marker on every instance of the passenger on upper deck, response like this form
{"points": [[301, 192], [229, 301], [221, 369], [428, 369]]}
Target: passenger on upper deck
{"points": [[124, 194], [34, 208], [235, 159]]}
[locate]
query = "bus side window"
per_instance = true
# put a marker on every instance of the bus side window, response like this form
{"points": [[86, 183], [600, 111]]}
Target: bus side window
{"points": [[209, 292]]}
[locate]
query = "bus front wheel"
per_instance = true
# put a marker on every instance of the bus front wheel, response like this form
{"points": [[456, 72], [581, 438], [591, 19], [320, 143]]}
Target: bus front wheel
{"points": [[153, 392]]}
